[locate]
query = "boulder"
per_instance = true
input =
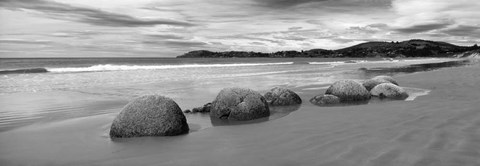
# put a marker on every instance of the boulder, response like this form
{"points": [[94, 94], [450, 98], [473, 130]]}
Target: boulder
{"points": [[325, 100], [239, 104], [348, 91], [151, 115], [282, 97], [205, 108], [389, 90], [370, 83], [388, 78]]}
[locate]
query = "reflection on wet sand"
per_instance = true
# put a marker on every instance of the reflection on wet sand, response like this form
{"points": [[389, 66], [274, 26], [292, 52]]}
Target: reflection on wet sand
{"points": [[370, 72]]}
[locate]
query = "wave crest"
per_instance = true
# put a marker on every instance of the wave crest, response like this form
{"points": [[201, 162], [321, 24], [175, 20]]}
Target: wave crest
{"points": [[110, 67]]}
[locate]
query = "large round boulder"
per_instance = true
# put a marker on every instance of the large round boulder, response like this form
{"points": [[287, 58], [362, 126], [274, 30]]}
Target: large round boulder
{"points": [[387, 78], [325, 100], [389, 90], [239, 104], [151, 115], [348, 91], [281, 96], [370, 83]]}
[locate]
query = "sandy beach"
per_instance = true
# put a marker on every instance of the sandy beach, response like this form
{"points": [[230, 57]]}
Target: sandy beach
{"points": [[441, 128]]}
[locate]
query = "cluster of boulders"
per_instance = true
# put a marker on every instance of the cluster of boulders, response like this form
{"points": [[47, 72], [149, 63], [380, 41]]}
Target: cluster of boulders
{"points": [[352, 92], [203, 109], [156, 115]]}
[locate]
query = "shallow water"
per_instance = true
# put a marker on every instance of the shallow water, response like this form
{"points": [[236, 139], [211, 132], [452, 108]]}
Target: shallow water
{"points": [[85, 87], [67, 123]]}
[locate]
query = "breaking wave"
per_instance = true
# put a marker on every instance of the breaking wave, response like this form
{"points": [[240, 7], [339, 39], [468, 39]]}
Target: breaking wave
{"points": [[110, 67]]}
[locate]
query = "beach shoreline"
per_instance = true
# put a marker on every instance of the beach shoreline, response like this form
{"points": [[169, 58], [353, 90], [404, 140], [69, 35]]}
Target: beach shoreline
{"points": [[441, 128]]}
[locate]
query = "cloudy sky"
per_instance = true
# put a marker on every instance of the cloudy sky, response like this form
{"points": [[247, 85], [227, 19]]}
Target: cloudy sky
{"points": [[167, 28]]}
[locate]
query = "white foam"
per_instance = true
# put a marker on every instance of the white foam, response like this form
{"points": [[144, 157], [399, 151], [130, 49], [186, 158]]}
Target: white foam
{"points": [[415, 92], [110, 67], [352, 62], [327, 63]]}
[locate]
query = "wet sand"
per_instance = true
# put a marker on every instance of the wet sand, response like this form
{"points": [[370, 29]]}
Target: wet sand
{"points": [[441, 128]]}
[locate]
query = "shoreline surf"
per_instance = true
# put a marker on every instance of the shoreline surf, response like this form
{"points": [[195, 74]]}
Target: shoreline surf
{"points": [[124, 67]]}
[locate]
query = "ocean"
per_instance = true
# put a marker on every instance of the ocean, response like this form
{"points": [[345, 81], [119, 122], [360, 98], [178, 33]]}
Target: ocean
{"points": [[191, 82], [67, 97]]}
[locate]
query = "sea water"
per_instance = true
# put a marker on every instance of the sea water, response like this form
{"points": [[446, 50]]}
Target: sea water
{"points": [[78, 87]]}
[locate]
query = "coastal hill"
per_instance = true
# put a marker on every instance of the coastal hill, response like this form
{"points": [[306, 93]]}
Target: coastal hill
{"points": [[410, 48]]}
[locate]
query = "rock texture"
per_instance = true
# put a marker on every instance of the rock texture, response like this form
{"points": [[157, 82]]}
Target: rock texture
{"points": [[389, 90], [204, 109], [150, 115], [239, 104], [370, 83], [387, 78], [348, 91], [282, 97], [325, 100]]}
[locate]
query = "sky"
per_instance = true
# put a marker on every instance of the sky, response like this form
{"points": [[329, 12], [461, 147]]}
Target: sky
{"points": [[168, 28]]}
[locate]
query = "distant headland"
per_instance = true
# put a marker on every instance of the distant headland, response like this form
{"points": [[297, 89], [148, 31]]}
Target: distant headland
{"points": [[409, 48]]}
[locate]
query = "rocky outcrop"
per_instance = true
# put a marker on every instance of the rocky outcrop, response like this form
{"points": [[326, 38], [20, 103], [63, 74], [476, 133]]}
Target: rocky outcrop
{"points": [[239, 104], [282, 97], [325, 100], [348, 91], [204, 109], [389, 90], [387, 78], [151, 115], [370, 83]]}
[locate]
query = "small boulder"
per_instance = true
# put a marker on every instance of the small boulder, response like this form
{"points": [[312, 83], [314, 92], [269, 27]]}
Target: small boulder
{"points": [[348, 91], [151, 115], [325, 100], [187, 111], [205, 108], [387, 78], [198, 109], [239, 104], [389, 90], [281, 97], [370, 83]]}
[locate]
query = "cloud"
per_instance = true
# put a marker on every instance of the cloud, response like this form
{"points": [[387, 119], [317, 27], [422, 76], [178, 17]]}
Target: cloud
{"points": [[422, 28], [165, 36], [371, 28], [294, 28], [291, 37], [251, 37], [186, 43], [463, 30], [81, 34], [92, 16], [284, 3], [23, 41], [415, 12], [258, 43], [176, 43]]}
